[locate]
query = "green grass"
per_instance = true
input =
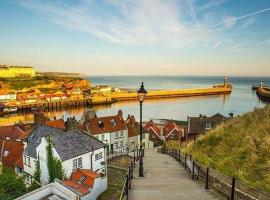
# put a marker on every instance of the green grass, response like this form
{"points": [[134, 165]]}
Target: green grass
{"points": [[116, 179], [240, 147], [19, 83]]}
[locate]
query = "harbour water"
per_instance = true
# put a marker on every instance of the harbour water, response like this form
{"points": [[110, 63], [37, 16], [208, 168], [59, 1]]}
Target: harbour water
{"points": [[241, 100]]}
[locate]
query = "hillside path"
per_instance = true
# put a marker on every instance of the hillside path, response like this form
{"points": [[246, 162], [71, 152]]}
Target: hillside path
{"points": [[165, 179]]}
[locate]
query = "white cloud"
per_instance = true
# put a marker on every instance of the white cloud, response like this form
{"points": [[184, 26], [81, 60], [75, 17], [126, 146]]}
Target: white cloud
{"points": [[230, 21], [133, 22]]}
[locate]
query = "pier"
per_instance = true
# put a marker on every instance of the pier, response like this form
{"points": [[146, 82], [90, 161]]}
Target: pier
{"points": [[123, 96]]}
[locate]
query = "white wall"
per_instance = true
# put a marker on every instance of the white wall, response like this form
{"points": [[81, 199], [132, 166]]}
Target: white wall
{"points": [[107, 136], [133, 141], [100, 186], [86, 162], [53, 188], [118, 139], [42, 154]]}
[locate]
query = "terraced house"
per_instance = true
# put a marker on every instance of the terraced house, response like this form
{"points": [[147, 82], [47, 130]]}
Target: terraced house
{"points": [[111, 130], [82, 157]]}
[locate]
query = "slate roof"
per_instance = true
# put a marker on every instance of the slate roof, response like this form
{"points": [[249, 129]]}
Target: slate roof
{"points": [[197, 125], [68, 144], [35, 136]]}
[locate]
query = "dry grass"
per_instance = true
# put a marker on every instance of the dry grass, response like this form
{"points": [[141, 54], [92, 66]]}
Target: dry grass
{"points": [[240, 148]]}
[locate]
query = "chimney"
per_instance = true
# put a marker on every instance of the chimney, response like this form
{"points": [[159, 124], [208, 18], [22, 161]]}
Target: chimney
{"points": [[200, 116], [39, 118], [71, 123], [120, 114], [231, 114]]}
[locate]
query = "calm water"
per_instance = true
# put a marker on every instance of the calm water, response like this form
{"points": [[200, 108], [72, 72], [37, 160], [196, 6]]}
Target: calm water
{"points": [[241, 100]]}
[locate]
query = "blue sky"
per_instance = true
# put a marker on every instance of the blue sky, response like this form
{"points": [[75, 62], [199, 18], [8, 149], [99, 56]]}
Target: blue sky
{"points": [[118, 37]]}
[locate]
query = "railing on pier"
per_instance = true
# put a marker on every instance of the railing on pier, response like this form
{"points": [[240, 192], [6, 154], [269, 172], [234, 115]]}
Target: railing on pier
{"points": [[228, 186]]}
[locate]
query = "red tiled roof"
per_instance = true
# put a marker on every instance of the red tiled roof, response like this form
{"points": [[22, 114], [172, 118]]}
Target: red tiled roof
{"points": [[12, 132], [82, 180], [11, 153], [170, 127], [151, 126], [102, 125], [59, 123]]}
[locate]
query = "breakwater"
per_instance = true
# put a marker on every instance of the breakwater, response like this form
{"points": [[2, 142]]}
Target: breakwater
{"points": [[123, 96], [264, 93]]}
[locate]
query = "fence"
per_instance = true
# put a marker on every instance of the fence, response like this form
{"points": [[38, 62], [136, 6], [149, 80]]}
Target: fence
{"points": [[129, 176], [228, 186]]}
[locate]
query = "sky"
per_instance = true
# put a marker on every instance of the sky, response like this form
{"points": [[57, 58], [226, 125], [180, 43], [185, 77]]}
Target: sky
{"points": [[138, 37]]}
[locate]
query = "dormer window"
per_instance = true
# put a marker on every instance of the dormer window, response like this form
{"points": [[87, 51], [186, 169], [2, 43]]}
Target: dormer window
{"points": [[113, 122], [6, 153], [208, 126], [100, 124]]}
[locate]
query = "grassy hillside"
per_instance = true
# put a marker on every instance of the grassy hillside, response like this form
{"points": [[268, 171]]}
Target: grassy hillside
{"points": [[240, 148]]}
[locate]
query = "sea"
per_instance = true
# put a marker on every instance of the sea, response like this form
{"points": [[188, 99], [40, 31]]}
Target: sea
{"points": [[241, 100]]}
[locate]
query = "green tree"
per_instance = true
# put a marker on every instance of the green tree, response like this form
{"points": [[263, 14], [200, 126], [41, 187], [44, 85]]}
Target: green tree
{"points": [[11, 186], [37, 171], [54, 165]]}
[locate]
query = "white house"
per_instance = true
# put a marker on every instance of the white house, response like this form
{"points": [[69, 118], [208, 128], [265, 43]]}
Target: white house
{"points": [[9, 96], [134, 134], [77, 151], [111, 130]]}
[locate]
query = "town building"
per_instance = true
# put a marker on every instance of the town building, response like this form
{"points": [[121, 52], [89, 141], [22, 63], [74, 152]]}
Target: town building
{"points": [[154, 131], [169, 130], [11, 155], [134, 134], [75, 149], [6, 96], [16, 132], [172, 131], [111, 130], [12, 71], [202, 124]]}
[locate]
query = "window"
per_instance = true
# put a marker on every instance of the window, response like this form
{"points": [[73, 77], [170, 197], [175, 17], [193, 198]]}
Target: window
{"points": [[100, 124], [113, 122], [116, 145], [77, 163], [6, 153], [102, 137], [27, 161], [208, 126], [143, 136], [80, 162], [116, 135], [121, 143], [121, 134], [98, 156]]}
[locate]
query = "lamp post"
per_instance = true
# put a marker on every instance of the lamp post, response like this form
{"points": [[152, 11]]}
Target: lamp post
{"points": [[141, 95]]}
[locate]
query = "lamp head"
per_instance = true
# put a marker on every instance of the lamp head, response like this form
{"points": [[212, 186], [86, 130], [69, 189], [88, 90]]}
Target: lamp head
{"points": [[141, 93]]}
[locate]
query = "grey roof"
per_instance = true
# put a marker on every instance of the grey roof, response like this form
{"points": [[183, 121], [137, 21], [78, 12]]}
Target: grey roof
{"points": [[34, 138], [74, 143], [197, 125], [68, 144]]}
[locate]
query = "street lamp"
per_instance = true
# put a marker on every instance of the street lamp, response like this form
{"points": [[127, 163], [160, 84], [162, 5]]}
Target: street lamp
{"points": [[141, 95]]}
